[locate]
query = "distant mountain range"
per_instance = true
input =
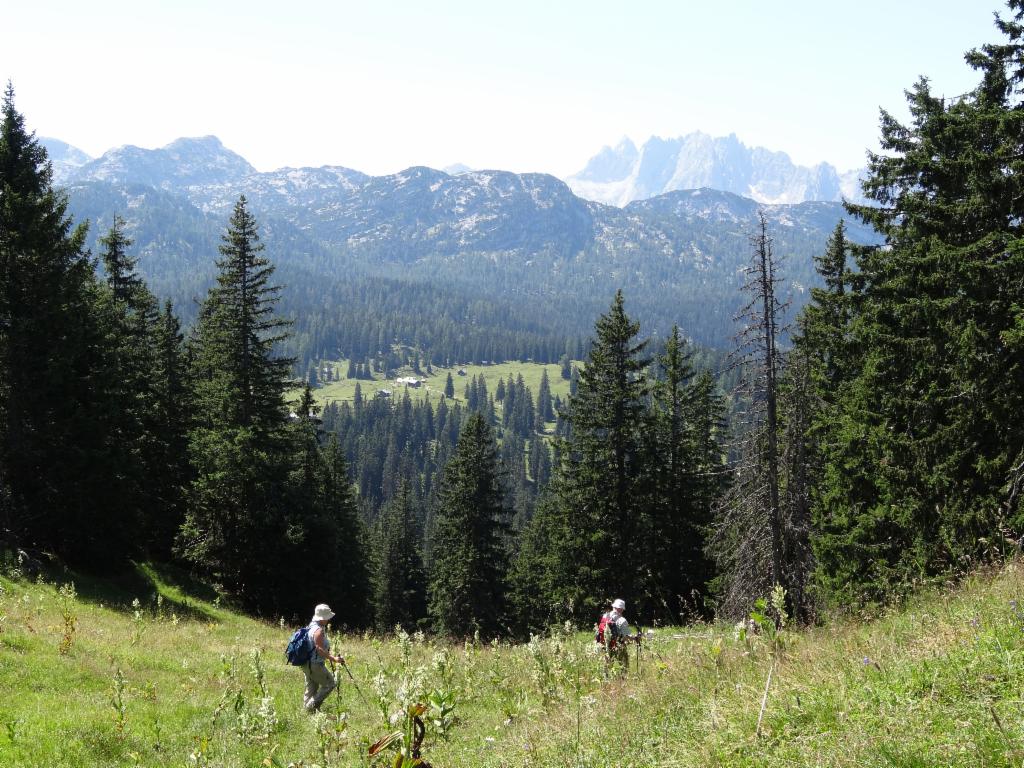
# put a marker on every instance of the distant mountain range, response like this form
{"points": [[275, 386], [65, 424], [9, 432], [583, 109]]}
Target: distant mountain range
{"points": [[505, 238], [621, 174]]}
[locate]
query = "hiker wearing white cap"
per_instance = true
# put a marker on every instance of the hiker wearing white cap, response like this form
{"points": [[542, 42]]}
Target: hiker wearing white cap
{"points": [[319, 682], [613, 632]]}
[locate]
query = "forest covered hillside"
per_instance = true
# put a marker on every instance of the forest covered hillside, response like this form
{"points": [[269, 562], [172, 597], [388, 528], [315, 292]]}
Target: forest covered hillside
{"points": [[544, 259]]}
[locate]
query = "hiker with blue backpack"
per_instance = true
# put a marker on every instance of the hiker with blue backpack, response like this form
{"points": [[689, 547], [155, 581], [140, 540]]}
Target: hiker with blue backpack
{"points": [[310, 648]]}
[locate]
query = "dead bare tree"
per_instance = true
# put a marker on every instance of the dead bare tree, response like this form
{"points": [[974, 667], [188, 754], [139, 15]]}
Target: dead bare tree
{"points": [[748, 538]]}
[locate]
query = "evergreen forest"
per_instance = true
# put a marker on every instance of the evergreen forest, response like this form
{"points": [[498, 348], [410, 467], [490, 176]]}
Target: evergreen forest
{"points": [[847, 453]]}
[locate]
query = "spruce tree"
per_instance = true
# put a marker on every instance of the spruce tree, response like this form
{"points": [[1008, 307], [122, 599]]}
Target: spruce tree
{"points": [[399, 586], [236, 529], [173, 406], [603, 482], [137, 446], [544, 408], [565, 367], [339, 541], [538, 572], [53, 420], [927, 434], [468, 572], [674, 550]]}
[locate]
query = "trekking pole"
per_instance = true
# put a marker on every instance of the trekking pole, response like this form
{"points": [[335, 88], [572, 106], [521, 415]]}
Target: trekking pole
{"points": [[354, 683], [639, 643]]}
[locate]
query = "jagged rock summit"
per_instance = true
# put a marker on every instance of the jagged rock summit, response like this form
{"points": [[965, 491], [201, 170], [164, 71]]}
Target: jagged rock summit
{"points": [[621, 174]]}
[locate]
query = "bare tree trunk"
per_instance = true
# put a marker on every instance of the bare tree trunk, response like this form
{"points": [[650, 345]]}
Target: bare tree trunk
{"points": [[748, 540], [766, 285]]}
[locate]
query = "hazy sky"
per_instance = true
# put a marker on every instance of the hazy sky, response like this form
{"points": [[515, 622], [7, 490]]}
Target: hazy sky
{"points": [[523, 86]]}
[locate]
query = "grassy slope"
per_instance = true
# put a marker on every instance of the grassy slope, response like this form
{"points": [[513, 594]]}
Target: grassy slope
{"points": [[935, 683]]}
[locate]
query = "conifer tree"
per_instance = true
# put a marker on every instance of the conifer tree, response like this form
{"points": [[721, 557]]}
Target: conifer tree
{"points": [[469, 557], [812, 389], [927, 434], [399, 587], [674, 550], [52, 423], [602, 483], [237, 527], [706, 415], [137, 446], [544, 398], [538, 572], [340, 540], [172, 472]]}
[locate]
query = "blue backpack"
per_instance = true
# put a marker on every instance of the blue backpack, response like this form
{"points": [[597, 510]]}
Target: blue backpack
{"points": [[300, 647]]}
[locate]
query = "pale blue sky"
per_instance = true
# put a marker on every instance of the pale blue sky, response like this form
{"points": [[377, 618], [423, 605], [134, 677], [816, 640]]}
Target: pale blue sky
{"points": [[523, 86]]}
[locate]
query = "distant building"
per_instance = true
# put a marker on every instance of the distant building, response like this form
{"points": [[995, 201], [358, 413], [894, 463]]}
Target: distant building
{"points": [[462, 371], [383, 393], [408, 381]]}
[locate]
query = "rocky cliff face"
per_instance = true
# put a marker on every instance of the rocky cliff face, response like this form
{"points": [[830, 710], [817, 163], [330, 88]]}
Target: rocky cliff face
{"points": [[621, 174]]}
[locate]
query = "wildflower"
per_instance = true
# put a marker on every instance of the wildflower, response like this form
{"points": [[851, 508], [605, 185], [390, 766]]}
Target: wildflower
{"points": [[866, 661], [739, 632]]}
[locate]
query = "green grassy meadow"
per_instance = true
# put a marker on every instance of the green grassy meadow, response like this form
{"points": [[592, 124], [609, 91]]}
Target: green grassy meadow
{"points": [[433, 385], [176, 679]]}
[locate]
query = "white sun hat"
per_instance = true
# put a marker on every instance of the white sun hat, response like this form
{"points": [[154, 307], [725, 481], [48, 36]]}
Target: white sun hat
{"points": [[619, 605], [323, 612]]}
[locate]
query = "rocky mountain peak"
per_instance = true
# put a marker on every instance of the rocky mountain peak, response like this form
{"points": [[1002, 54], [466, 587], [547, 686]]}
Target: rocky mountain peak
{"points": [[620, 175], [183, 163]]}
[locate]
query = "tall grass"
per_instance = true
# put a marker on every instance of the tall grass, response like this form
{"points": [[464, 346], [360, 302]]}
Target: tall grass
{"points": [[92, 680]]}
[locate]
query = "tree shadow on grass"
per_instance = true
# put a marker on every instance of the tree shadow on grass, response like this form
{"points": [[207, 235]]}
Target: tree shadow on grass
{"points": [[158, 587]]}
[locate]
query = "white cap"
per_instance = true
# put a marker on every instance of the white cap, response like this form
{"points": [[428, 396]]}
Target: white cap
{"points": [[619, 604], [323, 612]]}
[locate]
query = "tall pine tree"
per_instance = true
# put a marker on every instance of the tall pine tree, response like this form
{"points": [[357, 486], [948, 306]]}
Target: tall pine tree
{"points": [[468, 547], [602, 484], [399, 587], [928, 432], [678, 569], [236, 529], [53, 420]]}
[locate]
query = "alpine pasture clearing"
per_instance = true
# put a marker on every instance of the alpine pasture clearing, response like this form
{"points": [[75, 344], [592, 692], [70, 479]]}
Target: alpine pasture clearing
{"points": [[433, 385]]}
